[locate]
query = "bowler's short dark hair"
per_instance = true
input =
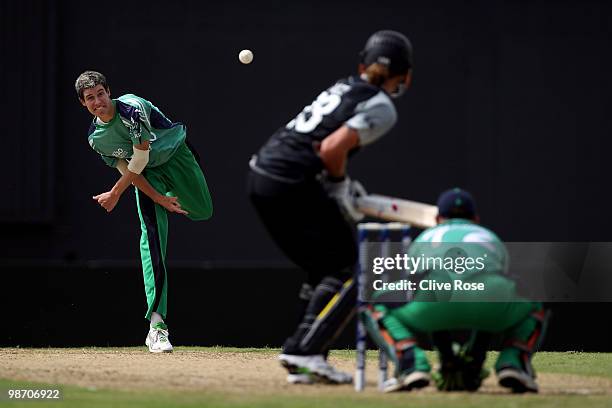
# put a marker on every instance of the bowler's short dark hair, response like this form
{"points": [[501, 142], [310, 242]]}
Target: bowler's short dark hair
{"points": [[89, 79]]}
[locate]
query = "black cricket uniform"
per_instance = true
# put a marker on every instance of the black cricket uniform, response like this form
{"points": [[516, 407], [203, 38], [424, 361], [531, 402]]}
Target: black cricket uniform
{"points": [[302, 219]]}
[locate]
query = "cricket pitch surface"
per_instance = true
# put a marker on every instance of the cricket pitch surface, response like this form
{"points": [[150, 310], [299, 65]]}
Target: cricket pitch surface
{"points": [[217, 376]]}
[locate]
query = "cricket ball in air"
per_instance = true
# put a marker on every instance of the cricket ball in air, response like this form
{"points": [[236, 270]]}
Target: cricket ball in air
{"points": [[245, 56]]}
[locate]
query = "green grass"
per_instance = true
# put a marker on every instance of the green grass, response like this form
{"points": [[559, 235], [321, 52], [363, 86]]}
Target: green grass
{"points": [[589, 364], [578, 363], [82, 398], [584, 364]]}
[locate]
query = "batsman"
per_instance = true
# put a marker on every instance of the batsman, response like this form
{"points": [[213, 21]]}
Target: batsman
{"points": [[460, 324], [302, 194]]}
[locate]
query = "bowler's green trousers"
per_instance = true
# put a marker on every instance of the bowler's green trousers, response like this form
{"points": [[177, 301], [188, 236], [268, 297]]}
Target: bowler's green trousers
{"points": [[181, 177]]}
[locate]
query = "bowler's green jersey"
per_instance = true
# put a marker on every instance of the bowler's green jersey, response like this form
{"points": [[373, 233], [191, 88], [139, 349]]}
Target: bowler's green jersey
{"points": [[136, 120]]}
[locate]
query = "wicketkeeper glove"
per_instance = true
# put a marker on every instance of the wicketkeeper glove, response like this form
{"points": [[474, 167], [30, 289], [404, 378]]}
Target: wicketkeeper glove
{"points": [[460, 374]]}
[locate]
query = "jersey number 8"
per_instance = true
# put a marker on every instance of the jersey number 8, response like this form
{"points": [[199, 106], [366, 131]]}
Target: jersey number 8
{"points": [[307, 120]]}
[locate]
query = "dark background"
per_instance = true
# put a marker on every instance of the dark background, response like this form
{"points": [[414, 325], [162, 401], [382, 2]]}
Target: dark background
{"points": [[510, 100]]}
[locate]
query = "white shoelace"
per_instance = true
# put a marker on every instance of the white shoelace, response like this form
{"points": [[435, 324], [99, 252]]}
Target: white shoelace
{"points": [[160, 335]]}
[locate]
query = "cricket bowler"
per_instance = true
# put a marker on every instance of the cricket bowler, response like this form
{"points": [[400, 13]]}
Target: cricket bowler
{"points": [[151, 152]]}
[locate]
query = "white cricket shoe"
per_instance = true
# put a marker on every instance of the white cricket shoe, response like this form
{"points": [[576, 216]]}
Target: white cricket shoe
{"points": [[315, 366], [157, 339], [517, 380], [407, 382], [300, 379]]}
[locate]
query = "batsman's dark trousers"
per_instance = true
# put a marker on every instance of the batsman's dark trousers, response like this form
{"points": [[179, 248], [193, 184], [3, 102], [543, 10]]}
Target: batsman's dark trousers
{"points": [[310, 229], [307, 226]]}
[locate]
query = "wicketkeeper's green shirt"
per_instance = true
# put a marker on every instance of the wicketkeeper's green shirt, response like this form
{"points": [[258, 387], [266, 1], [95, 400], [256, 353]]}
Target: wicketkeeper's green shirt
{"points": [[460, 238]]}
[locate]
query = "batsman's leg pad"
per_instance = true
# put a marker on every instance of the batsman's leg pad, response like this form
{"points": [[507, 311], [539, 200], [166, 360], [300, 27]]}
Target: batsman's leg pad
{"points": [[306, 292], [313, 302], [331, 306]]}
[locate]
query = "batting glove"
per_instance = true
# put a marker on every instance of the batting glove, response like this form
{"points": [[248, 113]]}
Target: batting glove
{"points": [[344, 192]]}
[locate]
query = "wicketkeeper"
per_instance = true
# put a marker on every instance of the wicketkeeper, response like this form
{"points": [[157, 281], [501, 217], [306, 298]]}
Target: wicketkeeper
{"points": [[439, 316]]}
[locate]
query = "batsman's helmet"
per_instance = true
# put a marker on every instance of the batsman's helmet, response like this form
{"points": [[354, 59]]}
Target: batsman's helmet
{"points": [[389, 48]]}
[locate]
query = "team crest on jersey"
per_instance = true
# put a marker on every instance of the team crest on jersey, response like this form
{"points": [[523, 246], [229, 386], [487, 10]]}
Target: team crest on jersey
{"points": [[120, 153], [133, 123]]}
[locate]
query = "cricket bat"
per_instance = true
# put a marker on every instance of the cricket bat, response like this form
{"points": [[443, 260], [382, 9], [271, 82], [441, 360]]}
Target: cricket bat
{"points": [[420, 215]]}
